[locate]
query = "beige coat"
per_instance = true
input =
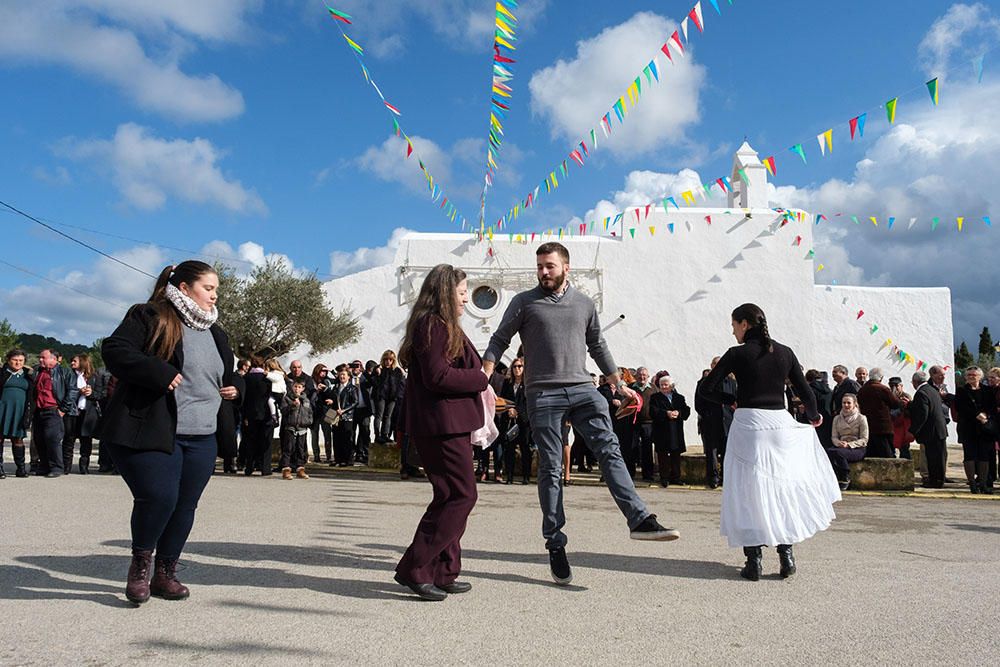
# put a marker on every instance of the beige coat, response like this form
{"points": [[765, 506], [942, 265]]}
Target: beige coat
{"points": [[852, 435]]}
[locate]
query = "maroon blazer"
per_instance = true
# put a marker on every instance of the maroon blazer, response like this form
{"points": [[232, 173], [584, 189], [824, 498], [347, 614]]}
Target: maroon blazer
{"points": [[875, 400], [442, 395]]}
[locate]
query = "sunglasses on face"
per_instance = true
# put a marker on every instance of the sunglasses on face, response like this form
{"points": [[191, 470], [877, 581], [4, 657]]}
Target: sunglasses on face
{"points": [[517, 366]]}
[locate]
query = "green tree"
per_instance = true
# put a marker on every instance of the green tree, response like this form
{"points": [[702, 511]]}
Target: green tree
{"points": [[963, 358], [96, 359], [987, 350], [8, 337], [273, 311]]}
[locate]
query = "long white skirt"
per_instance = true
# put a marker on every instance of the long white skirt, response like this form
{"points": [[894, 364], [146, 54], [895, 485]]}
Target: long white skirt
{"points": [[779, 484]]}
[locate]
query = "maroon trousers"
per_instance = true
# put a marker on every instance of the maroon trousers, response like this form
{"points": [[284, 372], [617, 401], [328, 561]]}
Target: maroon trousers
{"points": [[435, 556]]}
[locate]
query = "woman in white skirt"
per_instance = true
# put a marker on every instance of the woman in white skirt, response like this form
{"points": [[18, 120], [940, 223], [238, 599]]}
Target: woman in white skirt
{"points": [[779, 486]]}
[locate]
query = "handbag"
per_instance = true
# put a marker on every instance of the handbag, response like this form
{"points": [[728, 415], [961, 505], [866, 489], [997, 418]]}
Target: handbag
{"points": [[332, 417], [513, 432]]}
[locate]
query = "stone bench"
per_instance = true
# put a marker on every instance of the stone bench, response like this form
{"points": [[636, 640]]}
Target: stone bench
{"points": [[873, 474], [693, 468]]}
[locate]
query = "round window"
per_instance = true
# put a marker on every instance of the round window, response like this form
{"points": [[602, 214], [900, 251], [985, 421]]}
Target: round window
{"points": [[485, 298]]}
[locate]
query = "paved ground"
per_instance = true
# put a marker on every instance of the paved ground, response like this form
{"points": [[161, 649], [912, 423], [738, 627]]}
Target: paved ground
{"points": [[300, 572]]}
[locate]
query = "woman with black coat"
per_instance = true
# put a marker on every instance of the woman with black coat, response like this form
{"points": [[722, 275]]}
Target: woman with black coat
{"points": [[175, 368], [388, 383], [780, 486], [668, 410], [258, 420], [975, 407], [17, 401], [345, 399], [517, 415]]}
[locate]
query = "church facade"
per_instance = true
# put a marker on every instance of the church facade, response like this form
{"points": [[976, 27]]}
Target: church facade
{"points": [[665, 297]]}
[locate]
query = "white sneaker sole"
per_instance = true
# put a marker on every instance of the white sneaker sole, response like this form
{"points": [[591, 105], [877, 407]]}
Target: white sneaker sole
{"points": [[659, 536], [562, 582]]}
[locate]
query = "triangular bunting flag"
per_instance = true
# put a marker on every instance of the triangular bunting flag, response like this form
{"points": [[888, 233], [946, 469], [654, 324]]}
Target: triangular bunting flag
{"points": [[339, 16], [798, 150], [890, 110], [697, 17], [932, 88], [769, 164], [960, 221]]}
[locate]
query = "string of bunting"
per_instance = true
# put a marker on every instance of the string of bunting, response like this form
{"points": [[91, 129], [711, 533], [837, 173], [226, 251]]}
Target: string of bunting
{"points": [[436, 191], [505, 25], [620, 108], [722, 185]]}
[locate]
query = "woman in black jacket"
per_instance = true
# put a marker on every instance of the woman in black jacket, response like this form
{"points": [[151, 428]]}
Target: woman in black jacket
{"points": [[779, 486], [975, 407], [345, 400], [388, 382], [668, 410], [513, 392], [175, 368]]}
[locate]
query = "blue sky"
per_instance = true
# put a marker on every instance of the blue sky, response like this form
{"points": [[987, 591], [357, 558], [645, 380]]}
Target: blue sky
{"points": [[245, 129]]}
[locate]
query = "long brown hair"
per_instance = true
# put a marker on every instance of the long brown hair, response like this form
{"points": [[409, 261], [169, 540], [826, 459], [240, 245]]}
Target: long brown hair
{"points": [[437, 299], [85, 366], [167, 332]]}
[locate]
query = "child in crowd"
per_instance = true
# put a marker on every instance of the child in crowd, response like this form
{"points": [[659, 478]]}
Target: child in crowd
{"points": [[296, 418]]}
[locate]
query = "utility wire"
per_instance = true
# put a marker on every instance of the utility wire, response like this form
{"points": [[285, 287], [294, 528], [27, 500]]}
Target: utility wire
{"points": [[116, 304], [75, 240]]}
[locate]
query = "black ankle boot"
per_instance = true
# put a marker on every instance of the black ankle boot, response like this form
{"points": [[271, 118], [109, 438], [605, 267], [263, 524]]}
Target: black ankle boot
{"points": [[3, 474], [787, 559], [84, 465], [753, 566], [19, 461]]}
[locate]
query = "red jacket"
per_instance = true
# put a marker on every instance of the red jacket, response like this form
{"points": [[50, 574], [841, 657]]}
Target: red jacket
{"points": [[442, 395]]}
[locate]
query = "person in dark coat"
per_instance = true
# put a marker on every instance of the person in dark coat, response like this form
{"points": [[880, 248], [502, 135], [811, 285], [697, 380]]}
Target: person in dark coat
{"points": [[345, 402], [17, 400], [623, 425], [175, 371], [843, 384], [517, 415], [669, 410], [928, 426], [443, 407], [55, 396], [975, 406], [876, 401], [824, 405], [256, 445], [715, 419], [388, 379]]}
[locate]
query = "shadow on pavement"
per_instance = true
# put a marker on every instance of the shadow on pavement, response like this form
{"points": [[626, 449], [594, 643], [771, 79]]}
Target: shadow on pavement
{"points": [[979, 529], [230, 649], [28, 583], [114, 568], [668, 567]]}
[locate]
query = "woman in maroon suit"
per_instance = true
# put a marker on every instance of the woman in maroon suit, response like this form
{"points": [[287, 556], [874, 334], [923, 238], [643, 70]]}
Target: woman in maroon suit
{"points": [[442, 408]]}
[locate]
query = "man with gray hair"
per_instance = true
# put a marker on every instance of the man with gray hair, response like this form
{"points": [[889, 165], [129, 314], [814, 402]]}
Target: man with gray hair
{"points": [[875, 400], [928, 426]]}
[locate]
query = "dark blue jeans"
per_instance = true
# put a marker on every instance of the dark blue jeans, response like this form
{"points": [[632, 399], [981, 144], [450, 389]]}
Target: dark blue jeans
{"points": [[165, 489], [47, 434]]}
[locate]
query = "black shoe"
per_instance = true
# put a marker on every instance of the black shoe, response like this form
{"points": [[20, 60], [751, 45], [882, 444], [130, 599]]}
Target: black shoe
{"points": [[3, 473], [751, 571], [525, 481], [52, 475], [456, 587], [973, 488], [423, 591], [678, 482], [562, 574], [713, 483], [21, 472], [787, 559], [664, 483], [844, 484], [987, 489], [650, 529]]}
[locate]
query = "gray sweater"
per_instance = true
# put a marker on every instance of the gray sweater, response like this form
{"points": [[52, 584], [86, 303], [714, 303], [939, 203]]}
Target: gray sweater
{"points": [[198, 396], [557, 332]]}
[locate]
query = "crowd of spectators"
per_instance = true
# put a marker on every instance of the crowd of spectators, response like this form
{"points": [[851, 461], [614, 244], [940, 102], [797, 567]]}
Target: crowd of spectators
{"points": [[333, 414]]}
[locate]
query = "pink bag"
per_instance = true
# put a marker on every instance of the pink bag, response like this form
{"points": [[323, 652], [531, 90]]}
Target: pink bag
{"points": [[485, 436]]}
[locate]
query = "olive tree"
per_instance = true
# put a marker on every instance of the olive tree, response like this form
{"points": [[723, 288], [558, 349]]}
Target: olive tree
{"points": [[273, 310]]}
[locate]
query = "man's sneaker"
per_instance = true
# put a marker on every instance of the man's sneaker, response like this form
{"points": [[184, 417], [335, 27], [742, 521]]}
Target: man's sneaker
{"points": [[561, 572], [650, 529]]}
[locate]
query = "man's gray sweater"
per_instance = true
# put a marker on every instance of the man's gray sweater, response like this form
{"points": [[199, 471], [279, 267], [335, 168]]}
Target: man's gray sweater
{"points": [[557, 331]]}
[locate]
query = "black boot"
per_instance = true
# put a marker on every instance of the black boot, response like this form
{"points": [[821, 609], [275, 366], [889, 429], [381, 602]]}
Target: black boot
{"points": [[752, 569], [19, 461], [3, 473], [787, 559], [84, 465]]}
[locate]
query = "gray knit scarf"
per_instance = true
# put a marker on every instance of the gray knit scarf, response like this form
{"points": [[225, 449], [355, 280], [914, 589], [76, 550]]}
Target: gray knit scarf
{"points": [[192, 314]]}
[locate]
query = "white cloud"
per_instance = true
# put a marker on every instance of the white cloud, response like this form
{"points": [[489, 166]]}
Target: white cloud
{"points": [[968, 30], [342, 263], [645, 187], [388, 162], [463, 24], [57, 176], [113, 40], [72, 317], [147, 170], [573, 95], [246, 257]]}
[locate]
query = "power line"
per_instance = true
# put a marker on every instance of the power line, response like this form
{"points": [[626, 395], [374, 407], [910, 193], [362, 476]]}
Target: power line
{"points": [[75, 240], [116, 304], [187, 251]]}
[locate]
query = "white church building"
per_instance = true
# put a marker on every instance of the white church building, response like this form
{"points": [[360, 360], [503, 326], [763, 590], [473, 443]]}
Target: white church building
{"points": [[665, 298]]}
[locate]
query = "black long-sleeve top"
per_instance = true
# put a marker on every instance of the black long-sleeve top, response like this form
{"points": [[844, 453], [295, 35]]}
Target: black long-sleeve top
{"points": [[760, 377]]}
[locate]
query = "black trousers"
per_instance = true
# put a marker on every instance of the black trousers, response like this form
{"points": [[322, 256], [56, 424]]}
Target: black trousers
{"points": [[383, 419], [314, 431], [644, 450], [521, 442], [47, 435], [880, 446], [363, 438], [71, 431], [670, 465], [714, 442], [580, 454], [256, 446], [841, 459], [933, 452], [343, 442], [625, 431]]}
